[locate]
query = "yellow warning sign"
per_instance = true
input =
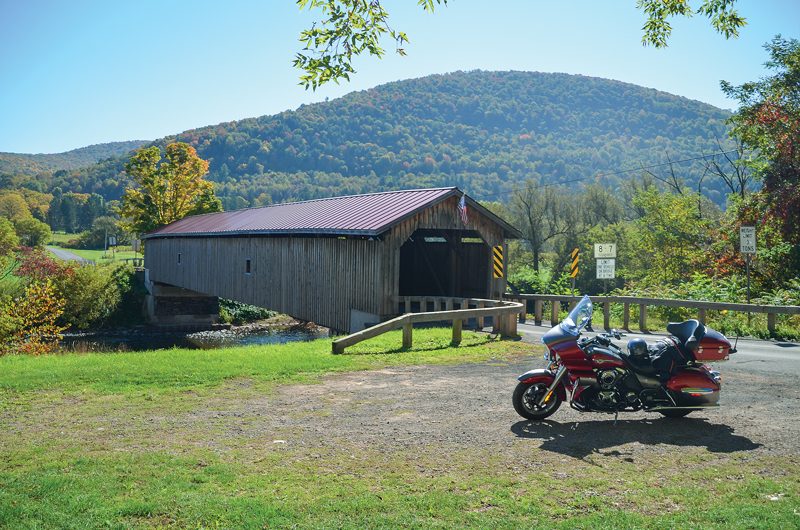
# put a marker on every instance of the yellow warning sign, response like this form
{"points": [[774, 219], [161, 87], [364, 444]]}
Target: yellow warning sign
{"points": [[498, 262], [574, 271]]}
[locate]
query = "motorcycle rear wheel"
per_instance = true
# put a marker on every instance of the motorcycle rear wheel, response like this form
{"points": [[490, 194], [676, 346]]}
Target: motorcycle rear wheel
{"points": [[526, 398], [679, 413]]}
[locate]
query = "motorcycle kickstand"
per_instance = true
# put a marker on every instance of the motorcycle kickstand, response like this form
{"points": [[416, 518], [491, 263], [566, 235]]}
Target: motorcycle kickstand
{"points": [[616, 415]]}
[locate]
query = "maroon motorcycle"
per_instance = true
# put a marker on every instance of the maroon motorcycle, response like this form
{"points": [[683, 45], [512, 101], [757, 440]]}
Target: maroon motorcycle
{"points": [[595, 375]]}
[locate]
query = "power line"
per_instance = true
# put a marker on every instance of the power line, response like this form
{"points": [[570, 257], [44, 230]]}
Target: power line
{"points": [[612, 174]]}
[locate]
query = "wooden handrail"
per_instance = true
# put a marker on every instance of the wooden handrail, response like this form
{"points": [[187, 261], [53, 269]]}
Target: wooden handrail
{"points": [[407, 321], [701, 306]]}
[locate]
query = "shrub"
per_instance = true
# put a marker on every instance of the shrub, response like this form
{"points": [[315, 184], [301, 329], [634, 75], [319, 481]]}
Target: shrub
{"points": [[239, 313], [28, 324]]}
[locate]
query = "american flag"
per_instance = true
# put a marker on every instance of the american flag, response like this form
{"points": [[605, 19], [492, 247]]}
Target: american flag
{"points": [[462, 209]]}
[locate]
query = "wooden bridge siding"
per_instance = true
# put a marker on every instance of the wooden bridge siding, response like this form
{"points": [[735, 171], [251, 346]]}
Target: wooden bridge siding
{"points": [[315, 279], [440, 216]]}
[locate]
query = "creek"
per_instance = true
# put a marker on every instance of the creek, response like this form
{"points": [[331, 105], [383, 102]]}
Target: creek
{"points": [[137, 340]]}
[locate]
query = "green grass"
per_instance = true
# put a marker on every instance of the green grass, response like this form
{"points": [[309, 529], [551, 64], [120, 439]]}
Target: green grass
{"points": [[121, 441], [179, 369]]}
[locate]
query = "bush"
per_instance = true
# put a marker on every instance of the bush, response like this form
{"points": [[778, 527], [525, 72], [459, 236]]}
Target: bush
{"points": [[239, 313], [28, 324], [98, 295]]}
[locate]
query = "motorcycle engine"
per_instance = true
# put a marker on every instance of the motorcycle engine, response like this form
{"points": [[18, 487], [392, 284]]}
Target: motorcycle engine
{"points": [[618, 390]]}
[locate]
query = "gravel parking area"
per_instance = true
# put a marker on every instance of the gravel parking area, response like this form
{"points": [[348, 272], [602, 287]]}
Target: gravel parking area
{"points": [[469, 405]]}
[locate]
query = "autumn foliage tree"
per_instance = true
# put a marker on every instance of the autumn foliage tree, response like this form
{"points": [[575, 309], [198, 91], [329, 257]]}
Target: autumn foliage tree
{"points": [[166, 190], [768, 121]]}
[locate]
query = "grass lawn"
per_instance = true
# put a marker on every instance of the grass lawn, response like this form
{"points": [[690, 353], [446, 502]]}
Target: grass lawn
{"points": [[78, 450]]}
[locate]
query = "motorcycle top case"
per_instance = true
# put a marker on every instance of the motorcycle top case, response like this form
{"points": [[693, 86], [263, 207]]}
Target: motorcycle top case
{"points": [[713, 347]]}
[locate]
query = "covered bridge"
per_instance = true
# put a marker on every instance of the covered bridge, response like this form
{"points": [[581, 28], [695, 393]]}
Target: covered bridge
{"points": [[338, 262]]}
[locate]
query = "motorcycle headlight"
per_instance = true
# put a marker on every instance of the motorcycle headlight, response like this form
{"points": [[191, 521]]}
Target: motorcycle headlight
{"points": [[546, 355]]}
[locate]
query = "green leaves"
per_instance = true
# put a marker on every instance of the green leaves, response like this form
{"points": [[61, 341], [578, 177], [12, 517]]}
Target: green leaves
{"points": [[657, 29], [351, 27]]}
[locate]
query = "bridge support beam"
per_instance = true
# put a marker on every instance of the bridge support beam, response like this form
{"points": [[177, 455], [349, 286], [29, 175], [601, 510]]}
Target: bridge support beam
{"points": [[168, 305]]}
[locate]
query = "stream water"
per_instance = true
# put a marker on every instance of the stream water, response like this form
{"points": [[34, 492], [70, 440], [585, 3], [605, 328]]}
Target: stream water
{"points": [[237, 336]]}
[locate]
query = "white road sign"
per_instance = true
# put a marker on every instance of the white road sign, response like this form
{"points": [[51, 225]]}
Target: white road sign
{"points": [[606, 269], [605, 250], [747, 239]]}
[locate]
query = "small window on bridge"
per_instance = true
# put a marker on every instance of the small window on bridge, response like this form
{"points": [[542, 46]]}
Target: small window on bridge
{"points": [[179, 258], [247, 266]]}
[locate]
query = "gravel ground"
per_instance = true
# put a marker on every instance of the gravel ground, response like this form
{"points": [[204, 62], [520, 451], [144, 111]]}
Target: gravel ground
{"points": [[469, 405]]}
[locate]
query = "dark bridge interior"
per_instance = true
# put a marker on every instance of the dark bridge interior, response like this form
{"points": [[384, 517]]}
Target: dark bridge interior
{"points": [[444, 263]]}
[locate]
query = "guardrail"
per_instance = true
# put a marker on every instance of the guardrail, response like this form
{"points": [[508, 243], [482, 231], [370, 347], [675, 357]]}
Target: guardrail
{"points": [[627, 301], [136, 262], [503, 313]]}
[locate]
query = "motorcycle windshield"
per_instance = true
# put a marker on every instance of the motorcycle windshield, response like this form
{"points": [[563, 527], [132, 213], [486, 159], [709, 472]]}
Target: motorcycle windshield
{"points": [[578, 317]]}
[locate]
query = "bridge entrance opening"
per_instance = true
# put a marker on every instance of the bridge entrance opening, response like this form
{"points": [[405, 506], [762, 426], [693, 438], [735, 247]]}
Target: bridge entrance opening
{"points": [[445, 263]]}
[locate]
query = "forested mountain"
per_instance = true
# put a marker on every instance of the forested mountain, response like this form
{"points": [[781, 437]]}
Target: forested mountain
{"points": [[481, 131], [77, 158]]}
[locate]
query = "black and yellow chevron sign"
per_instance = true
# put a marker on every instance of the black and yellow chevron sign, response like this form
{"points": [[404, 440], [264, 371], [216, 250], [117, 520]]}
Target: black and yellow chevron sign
{"points": [[498, 262], [574, 271]]}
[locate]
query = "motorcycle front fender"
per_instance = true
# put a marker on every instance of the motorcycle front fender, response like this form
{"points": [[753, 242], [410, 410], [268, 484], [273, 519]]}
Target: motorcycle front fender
{"points": [[542, 375]]}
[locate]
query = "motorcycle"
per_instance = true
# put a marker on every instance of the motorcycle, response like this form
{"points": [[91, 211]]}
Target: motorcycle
{"points": [[596, 375]]}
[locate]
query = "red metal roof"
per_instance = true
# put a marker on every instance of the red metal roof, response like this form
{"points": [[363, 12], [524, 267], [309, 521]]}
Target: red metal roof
{"points": [[370, 214]]}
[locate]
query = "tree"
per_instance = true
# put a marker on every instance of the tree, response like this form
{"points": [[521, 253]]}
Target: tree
{"points": [[543, 213], [32, 232], [166, 190], [8, 243], [13, 207], [668, 236], [768, 121], [352, 27]]}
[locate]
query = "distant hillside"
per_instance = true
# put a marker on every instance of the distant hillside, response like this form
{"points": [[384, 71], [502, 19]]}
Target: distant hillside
{"points": [[481, 131], [77, 158]]}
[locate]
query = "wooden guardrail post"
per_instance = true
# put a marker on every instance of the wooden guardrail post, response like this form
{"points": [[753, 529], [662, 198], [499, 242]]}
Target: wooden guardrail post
{"points": [[457, 331], [642, 317], [771, 322], [480, 319], [701, 315], [607, 315], [523, 315], [554, 307], [464, 305], [408, 335], [537, 312], [626, 316]]}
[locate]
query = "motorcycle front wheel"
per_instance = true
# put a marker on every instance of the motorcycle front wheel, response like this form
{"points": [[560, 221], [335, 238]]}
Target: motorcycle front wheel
{"points": [[526, 401]]}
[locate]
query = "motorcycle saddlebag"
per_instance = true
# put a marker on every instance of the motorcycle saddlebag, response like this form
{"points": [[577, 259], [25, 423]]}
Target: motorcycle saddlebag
{"points": [[713, 347]]}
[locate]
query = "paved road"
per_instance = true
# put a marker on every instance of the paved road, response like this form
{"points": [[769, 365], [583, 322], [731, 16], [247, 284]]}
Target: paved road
{"points": [[66, 255], [785, 354]]}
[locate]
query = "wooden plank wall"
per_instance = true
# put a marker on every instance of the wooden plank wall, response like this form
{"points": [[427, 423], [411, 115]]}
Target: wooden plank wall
{"points": [[314, 279], [444, 216]]}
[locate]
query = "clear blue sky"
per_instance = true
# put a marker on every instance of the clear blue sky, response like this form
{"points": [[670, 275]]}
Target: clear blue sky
{"points": [[84, 72]]}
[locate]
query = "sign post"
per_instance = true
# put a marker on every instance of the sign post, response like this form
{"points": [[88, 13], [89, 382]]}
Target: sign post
{"points": [[606, 256], [747, 246]]}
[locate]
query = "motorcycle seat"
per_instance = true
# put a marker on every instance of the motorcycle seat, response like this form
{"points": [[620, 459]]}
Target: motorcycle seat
{"points": [[690, 332]]}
